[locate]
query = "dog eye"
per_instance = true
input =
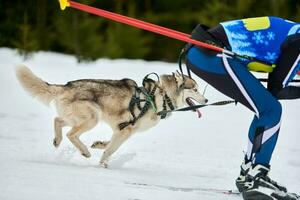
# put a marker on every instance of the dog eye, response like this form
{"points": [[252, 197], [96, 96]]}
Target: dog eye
{"points": [[195, 90]]}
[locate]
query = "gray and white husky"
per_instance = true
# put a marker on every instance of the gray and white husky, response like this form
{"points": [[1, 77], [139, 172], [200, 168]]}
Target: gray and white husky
{"points": [[82, 104]]}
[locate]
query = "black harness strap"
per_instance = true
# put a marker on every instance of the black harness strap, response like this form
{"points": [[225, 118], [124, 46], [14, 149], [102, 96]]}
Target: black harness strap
{"points": [[181, 55], [149, 102], [167, 102], [135, 100]]}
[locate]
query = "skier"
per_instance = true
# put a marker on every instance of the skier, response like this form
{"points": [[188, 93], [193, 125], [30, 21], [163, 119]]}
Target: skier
{"points": [[268, 39]]}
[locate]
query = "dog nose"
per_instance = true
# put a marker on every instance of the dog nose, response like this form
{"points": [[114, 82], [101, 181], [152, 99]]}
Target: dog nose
{"points": [[206, 100]]}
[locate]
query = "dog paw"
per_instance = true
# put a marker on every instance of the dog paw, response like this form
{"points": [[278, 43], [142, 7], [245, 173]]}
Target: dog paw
{"points": [[86, 154], [104, 164], [56, 142], [99, 145]]}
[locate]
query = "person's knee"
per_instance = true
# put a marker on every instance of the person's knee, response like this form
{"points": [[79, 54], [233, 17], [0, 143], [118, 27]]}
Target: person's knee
{"points": [[271, 115], [276, 111]]}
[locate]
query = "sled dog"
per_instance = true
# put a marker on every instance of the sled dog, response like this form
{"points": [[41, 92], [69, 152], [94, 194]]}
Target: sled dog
{"points": [[82, 104]]}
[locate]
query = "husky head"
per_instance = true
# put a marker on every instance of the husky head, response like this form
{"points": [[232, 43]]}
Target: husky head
{"points": [[182, 89]]}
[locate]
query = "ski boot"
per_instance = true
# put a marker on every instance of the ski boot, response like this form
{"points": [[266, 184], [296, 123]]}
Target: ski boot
{"points": [[259, 186], [241, 179]]}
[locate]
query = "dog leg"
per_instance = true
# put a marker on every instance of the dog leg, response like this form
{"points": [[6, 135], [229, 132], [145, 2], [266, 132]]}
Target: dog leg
{"points": [[74, 135], [58, 125], [100, 144], [117, 140]]}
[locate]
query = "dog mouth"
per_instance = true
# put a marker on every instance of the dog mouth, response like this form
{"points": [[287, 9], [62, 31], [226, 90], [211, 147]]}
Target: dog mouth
{"points": [[192, 102]]}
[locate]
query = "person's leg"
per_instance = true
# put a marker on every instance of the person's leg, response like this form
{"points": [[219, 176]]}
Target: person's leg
{"points": [[263, 134], [232, 78], [286, 68]]}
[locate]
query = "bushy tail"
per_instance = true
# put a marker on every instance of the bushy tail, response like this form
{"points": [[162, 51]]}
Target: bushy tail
{"points": [[37, 87]]}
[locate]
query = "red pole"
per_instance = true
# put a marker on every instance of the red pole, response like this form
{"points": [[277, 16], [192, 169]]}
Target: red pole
{"points": [[143, 25]]}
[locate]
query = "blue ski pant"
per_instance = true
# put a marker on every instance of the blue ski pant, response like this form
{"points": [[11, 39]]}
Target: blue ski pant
{"points": [[232, 78]]}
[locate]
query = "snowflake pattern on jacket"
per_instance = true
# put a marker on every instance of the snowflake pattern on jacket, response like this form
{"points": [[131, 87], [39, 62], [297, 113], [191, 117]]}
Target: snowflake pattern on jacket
{"points": [[263, 42]]}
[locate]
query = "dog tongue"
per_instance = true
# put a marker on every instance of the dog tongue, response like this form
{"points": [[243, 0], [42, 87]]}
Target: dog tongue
{"points": [[191, 102], [199, 113]]}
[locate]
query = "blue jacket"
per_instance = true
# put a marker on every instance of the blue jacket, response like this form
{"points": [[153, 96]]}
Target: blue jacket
{"points": [[260, 37]]}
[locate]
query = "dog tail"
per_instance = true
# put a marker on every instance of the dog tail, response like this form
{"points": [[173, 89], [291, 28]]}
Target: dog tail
{"points": [[36, 87]]}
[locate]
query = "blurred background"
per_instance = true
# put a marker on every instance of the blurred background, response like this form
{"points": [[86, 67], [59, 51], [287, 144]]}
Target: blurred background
{"points": [[35, 25]]}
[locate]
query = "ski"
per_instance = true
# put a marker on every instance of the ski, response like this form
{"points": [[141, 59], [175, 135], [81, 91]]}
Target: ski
{"points": [[187, 189]]}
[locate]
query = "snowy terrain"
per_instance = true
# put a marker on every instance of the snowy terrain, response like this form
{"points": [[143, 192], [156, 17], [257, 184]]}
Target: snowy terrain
{"points": [[181, 158]]}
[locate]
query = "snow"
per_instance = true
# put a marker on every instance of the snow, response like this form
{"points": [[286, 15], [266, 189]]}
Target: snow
{"points": [[180, 158]]}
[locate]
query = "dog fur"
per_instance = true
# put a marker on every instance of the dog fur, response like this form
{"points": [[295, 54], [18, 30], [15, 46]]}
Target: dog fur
{"points": [[82, 104]]}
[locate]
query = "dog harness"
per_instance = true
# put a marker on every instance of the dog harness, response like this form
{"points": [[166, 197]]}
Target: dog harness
{"points": [[149, 102]]}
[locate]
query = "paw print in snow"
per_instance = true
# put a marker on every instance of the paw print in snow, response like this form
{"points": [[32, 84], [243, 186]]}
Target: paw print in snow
{"points": [[258, 38]]}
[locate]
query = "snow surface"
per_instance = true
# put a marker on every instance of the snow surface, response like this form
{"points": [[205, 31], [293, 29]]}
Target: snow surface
{"points": [[179, 159]]}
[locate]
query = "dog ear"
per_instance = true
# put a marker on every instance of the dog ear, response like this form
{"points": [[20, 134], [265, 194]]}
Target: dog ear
{"points": [[179, 79]]}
